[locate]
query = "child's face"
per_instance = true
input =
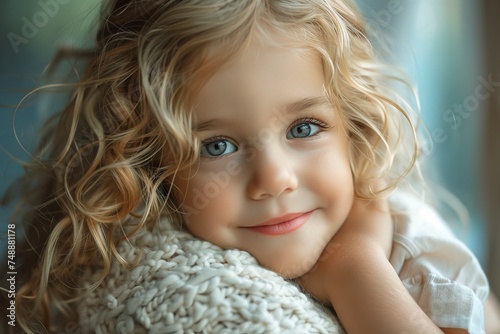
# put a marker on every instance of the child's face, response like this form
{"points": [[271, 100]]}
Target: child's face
{"points": [[274, 150]]}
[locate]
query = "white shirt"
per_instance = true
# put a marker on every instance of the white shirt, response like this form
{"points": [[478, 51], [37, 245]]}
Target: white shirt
{"points": [[439, 271]]}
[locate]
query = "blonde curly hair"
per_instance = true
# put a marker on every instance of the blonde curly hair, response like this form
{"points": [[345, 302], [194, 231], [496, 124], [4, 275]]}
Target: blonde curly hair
{"points": [[103, 168]]}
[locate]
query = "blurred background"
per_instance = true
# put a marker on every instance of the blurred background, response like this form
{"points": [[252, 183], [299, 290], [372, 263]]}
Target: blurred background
{"points": [[449, 49], [447, 46]]}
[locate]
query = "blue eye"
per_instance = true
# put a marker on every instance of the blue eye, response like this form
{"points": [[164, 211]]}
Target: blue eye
{"points": [[302, 130], [217, 148]]}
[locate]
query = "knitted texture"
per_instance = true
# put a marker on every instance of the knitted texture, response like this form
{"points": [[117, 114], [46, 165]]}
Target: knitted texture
{"points": [[184, 285]]}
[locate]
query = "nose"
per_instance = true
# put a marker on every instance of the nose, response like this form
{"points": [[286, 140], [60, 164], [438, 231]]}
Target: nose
{"points": [[272, 174]]}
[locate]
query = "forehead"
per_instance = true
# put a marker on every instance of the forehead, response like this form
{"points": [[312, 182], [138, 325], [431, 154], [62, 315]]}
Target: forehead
{"points": [[264, 72]]}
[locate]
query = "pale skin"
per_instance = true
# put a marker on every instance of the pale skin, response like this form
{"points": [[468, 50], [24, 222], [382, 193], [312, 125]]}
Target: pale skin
{"points": [[354, 269], [300, 166], [364, 241]]}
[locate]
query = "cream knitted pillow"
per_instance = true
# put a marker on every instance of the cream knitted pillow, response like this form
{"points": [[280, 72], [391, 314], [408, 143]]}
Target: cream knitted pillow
{"points": [[185, 285]]}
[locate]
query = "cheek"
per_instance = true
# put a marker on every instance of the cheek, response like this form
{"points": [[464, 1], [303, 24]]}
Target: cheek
{"points": [[209, 202], [332, 175]]}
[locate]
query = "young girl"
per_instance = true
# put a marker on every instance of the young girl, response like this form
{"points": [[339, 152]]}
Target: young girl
{"points": [[214, 157]]}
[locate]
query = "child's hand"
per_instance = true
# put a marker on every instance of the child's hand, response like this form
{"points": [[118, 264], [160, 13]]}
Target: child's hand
{"points": [[355, 276], [371, 220], [367, 229]]}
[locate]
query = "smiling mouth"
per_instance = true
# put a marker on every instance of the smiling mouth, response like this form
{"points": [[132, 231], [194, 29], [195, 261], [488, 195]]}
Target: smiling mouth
{"points": [[282, 225]]}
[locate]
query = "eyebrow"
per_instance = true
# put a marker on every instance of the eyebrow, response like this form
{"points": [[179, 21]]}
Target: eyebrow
{"points": [[211, 122], [308, 103], [293, 107]]}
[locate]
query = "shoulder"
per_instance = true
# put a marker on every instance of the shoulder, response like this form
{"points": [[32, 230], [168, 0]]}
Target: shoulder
{"points": [[423, 242], [418, 227], [440, 272]]}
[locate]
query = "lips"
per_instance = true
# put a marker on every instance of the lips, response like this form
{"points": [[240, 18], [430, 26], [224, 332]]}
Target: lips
{"points": [[282, 225]]}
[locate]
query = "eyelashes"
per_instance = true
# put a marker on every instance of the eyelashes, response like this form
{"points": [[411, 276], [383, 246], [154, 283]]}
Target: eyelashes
{"points": [[305, 128], [301, 129], [311, 120], [217, 146]]}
